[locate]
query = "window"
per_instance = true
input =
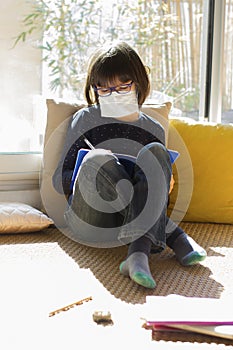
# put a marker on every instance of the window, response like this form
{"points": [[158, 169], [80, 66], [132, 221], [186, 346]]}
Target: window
{"points": [[167, 35], [227, 73], [170, 35], [21, 123]]}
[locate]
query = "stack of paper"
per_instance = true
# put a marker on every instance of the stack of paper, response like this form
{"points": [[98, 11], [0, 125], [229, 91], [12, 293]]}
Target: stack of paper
{"points": [[201, 315]]}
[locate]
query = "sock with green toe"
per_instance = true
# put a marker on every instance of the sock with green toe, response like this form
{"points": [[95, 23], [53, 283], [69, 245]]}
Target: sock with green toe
{"points": [[187, 251], [136, 265]]}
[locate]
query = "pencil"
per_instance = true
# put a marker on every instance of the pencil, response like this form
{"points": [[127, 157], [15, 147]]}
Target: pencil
{"points": [[89, 143]]}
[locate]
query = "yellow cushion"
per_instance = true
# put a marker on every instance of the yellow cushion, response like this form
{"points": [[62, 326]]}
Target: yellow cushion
{"points": [[204, 172]]}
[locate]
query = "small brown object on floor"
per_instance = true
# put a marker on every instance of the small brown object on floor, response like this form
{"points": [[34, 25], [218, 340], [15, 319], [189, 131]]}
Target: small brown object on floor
{"points": [[103, 318]]}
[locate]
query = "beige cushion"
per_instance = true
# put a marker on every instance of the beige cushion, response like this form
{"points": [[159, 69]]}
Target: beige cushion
{"points": [[18, 217], [58, 113], [159, 112]]}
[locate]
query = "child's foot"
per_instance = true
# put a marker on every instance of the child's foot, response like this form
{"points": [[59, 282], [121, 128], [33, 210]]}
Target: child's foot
{"points": [[187, 251], [136, 266]]}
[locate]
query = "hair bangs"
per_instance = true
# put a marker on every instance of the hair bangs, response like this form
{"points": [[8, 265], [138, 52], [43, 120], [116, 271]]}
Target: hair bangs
{"points": [[111, 69]]}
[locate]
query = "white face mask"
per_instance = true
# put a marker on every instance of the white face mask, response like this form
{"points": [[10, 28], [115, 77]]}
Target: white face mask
{"points": [[118, 105]]}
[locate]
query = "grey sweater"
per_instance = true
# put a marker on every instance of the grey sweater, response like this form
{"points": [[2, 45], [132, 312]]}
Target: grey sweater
{"points": [[108, 133]]}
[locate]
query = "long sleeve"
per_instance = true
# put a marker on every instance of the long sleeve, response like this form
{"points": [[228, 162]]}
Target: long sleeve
{"points": [[73, 142]]}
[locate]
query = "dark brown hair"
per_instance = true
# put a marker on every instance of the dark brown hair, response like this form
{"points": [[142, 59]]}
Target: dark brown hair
{"points": [[118, 61]]}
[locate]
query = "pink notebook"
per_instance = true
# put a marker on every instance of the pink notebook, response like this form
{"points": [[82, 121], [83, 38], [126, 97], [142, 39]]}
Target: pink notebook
{"points": [[201, 315]]}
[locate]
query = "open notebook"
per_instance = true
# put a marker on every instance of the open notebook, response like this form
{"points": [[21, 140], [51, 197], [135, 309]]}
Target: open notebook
{"points": [[83, 151]]}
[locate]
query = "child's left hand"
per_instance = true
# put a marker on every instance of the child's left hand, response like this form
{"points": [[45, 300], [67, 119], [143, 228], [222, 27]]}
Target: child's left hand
{"points": [[172, 182]]}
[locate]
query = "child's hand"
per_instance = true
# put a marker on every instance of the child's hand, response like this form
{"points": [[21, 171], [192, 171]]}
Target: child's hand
{"points": [[172, 182]]}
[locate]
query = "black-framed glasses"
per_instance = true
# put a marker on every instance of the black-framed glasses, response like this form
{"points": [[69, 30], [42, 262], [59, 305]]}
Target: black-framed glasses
{"points": [[120, 89]]}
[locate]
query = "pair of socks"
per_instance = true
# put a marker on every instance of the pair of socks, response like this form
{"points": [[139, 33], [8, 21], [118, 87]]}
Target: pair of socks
{"points": [[136, 265]]}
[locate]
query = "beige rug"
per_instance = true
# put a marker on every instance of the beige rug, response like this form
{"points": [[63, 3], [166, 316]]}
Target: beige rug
{"points": [[44, 271]]}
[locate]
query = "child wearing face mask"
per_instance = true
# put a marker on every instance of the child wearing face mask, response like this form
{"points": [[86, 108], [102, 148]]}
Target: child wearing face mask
{"points": [[120, 194]]}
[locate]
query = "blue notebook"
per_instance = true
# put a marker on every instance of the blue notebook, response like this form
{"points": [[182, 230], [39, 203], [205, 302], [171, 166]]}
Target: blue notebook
{"points": [[83, 151], [81, 154], [173, 155]]}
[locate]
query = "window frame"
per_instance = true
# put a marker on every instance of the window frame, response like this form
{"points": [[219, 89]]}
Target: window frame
{"points": [[210, 108]]}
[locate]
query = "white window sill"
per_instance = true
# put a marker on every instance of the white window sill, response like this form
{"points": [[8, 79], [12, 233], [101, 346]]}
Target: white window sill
{"points": [[20, 171]]}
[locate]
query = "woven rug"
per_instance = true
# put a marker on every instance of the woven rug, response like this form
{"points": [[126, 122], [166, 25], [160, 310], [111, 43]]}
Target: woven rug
{"points": [[43, 271]]}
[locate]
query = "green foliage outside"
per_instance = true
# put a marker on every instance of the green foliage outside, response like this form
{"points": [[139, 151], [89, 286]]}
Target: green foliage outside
{"points": [[72, 29]]}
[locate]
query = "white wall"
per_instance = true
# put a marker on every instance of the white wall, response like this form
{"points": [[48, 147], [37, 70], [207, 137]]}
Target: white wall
{"points": [[20, 72]]}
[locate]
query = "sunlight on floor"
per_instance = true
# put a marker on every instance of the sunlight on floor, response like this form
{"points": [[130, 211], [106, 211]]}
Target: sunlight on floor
{"points": [[220, 270]]}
